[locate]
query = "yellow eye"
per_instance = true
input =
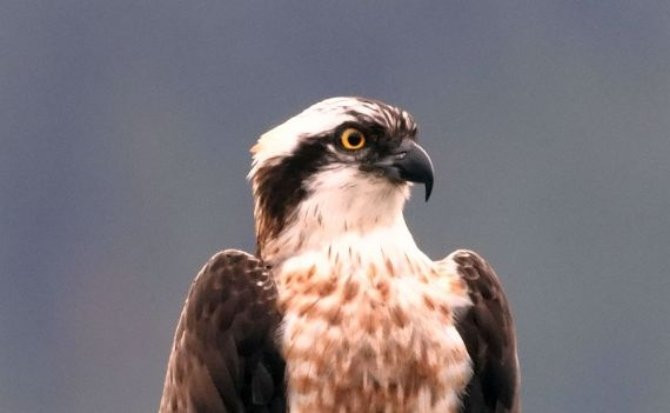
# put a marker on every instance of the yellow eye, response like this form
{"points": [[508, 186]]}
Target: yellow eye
{"points": [[352, 139]]}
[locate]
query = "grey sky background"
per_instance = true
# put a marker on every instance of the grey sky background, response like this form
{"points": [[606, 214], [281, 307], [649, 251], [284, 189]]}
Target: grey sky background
{"points": [[124, 136]]}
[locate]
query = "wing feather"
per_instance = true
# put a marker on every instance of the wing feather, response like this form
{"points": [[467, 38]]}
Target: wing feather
{"points": [[487, 328], [224, 357]]}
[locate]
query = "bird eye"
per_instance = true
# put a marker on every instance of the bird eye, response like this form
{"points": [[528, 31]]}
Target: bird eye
{"points": [[352, 139]]}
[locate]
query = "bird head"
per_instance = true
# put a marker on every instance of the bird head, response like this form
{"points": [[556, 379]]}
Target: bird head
{"points": [[342, 164]]}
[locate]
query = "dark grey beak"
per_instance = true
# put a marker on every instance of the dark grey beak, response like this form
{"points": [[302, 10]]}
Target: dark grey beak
{"points": [[410, 162]]}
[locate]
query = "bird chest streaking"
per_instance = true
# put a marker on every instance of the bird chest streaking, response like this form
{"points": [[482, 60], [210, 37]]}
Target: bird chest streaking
{"points": [[371, 330], [340, 311]]}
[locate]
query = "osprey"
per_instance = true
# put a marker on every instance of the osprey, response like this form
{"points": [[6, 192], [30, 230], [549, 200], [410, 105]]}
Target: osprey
{"points": [[339, 310]]}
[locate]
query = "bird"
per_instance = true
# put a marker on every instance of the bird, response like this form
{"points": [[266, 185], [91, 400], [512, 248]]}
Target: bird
{"points": [[338, 310]]}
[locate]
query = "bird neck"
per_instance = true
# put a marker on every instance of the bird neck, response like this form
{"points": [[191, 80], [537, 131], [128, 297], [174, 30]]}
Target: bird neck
{"points": [[337, 220]]}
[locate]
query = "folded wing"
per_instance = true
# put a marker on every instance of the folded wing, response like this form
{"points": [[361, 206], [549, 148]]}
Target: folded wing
{"points": [[487, 328], [224, 357]]}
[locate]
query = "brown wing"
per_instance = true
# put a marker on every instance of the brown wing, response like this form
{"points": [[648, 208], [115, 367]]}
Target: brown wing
{"points": [[488, 331], [224, 357]]}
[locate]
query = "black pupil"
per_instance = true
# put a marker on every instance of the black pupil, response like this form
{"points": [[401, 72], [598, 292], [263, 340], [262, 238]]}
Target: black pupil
{"points": [[355, 139]]}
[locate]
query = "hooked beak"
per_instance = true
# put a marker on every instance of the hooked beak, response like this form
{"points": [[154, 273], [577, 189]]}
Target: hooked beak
{"points": [[410, 162]]}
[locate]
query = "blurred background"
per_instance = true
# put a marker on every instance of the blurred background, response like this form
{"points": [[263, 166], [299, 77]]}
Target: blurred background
{"points": [[124, 136]]}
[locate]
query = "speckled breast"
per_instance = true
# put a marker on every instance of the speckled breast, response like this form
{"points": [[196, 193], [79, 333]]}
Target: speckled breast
{"points": [[368, 337]]}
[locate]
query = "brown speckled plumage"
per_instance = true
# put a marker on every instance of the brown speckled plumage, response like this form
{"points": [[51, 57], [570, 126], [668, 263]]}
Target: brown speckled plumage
{"points": [[371, 349]]}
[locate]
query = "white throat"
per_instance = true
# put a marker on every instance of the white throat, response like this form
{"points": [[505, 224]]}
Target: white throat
{"points": [[347, 210]]}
